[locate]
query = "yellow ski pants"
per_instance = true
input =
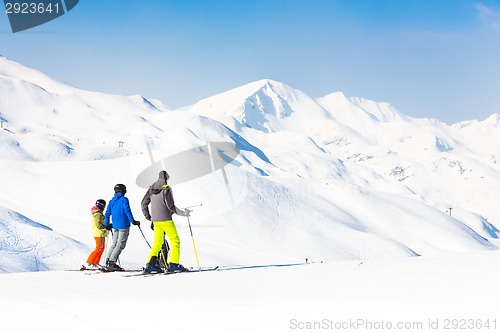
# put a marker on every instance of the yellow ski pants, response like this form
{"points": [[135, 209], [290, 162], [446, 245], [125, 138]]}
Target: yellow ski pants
{"points": [[167, 227]]}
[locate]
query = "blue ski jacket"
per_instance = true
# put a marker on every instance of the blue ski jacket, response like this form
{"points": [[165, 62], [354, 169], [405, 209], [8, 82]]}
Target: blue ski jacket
{"points": [[119, 211]]}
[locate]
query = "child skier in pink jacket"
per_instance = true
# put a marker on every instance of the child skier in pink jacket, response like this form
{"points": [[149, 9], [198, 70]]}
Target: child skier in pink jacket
{"points": [[100, 234]]}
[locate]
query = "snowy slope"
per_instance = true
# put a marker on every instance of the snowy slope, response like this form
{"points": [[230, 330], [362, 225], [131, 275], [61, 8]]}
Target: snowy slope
{"points": [[29, 246], [424, 294], [332, 178], [43, 119], [368, 144]]}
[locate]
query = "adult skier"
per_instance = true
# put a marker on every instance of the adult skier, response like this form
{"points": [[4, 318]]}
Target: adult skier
{"points": [[100, 233], [121, 218], [160, 196]]}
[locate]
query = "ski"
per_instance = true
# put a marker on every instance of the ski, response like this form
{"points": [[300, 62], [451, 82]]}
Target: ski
{"points": [[146, 274], [83, 268], [192, 270], [91, 272], [129, 270], [104, 271], [96, 270], [143, 273]]}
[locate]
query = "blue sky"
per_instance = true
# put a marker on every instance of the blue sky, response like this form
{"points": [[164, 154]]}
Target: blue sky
{"points": [[428, 58]]}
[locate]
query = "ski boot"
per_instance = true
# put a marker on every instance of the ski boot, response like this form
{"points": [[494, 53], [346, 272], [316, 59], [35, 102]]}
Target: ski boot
{"points": [[175, 268], [152, 266], [113, 267], [152, 269]]}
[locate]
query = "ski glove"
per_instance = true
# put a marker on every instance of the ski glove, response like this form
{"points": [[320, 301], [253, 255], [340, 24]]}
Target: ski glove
{"points": [[109, 226], [152, 226], [137, 223], [187, 212]]}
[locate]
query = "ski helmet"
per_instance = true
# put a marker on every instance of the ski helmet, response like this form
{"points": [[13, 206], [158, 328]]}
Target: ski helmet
{"points": [[100, 203], [164, 175], [120, 188]]}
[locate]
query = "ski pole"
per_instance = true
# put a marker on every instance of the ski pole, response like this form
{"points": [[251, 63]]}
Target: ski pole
{"points": [[105, 249], [194, 206], [108, 255], [144, 236], [194, 245]]}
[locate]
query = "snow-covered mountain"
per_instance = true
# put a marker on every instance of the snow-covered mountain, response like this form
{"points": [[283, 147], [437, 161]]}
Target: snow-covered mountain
{"points": [[44, 119], [368, 144], [330, 178]]}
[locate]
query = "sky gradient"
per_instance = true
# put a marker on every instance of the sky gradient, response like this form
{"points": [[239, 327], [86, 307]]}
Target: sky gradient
{"points": [[428, 58]]}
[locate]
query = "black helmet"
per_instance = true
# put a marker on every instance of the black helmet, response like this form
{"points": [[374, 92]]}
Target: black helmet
{"points": [[100, 203], [120, 188]]}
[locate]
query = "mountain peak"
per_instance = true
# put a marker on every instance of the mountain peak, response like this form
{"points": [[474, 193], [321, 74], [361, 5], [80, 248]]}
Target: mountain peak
{"points": [[265, 85], [272, 84], [265, 82], [492, 122], [265, 105]]}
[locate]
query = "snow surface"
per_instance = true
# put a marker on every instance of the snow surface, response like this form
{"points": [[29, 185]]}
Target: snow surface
{"points": [[414, 292], [337, 180]]}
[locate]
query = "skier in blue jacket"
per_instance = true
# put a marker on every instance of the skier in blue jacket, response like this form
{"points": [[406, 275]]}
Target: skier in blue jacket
{"points": [[119, 211]]}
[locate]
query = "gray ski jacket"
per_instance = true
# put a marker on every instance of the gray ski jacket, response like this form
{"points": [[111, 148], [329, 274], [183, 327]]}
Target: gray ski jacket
{"points": [[161, 198]]}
